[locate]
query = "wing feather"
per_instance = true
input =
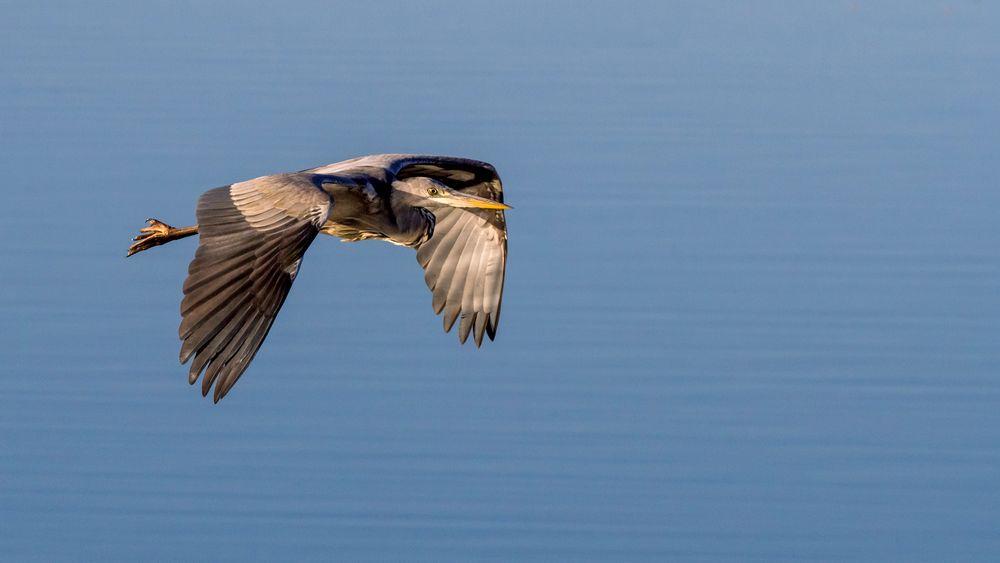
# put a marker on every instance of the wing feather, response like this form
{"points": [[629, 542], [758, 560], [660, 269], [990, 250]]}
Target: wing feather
{"points": [[435, 259], [252, 238], [468, 288], [454, 275]]}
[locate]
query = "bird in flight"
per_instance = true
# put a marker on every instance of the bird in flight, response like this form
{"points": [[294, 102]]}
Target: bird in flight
{"points": [[253, 234]]}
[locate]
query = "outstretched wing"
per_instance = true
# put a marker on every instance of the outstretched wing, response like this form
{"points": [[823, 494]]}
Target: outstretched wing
{"points": [[252, 238], [466, 258]]}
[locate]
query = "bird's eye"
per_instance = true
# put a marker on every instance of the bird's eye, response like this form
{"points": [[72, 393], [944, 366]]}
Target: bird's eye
{"points": [[432, 191]]}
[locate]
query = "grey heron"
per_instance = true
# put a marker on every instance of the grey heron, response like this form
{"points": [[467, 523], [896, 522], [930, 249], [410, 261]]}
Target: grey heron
{"points": [[253, 234]]}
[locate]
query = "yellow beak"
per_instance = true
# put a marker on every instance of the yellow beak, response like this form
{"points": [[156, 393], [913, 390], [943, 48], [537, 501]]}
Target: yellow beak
{"points": [[460, 199]]}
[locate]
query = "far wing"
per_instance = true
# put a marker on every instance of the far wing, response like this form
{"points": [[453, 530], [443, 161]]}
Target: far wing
{"points": [[466, 259], [252, 238]]}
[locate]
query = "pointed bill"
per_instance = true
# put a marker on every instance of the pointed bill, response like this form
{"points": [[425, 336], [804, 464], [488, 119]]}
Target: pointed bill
{"points": [[461, 199]]}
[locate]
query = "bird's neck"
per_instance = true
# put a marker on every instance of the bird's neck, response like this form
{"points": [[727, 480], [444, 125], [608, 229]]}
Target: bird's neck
{"points": [[414, 224]]}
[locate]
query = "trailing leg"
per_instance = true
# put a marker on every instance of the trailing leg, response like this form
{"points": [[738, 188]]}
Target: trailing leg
{"points": [[158, 233]]}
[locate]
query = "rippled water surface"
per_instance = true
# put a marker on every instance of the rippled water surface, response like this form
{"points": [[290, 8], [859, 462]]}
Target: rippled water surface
{"points": [[752, 306]]}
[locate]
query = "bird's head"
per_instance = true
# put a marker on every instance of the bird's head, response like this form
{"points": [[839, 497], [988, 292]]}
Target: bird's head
{"points": [[426, 192]]}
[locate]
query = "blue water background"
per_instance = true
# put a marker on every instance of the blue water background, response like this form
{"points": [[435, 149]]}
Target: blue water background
{"points": [[751, 313]]}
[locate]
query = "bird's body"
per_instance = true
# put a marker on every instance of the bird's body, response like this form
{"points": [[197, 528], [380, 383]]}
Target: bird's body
{"points": [[253, 235]]}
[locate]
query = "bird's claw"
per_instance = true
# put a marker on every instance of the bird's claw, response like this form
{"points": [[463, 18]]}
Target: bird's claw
{"points": [[155, 234]]}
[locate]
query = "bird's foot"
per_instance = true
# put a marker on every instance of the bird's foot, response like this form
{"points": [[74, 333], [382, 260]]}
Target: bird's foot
{"points": [[155, 234]]}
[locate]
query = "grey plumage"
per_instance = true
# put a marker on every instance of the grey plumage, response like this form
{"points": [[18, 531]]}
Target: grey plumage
{"points": [[253, 236]]}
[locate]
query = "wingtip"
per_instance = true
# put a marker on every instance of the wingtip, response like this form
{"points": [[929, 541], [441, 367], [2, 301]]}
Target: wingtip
{"points": [[450, 316]]}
